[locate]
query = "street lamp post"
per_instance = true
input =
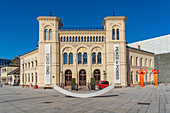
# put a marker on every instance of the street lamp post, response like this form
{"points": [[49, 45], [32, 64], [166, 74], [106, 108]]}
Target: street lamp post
{"points": [[23, 72]]}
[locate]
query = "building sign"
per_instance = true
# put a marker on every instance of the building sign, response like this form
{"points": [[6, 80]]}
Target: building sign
{"points": [[47, 64], [117, 63]]}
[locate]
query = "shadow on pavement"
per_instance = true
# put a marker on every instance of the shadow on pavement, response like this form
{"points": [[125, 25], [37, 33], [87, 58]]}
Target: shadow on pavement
{"points": [[96, 96]]}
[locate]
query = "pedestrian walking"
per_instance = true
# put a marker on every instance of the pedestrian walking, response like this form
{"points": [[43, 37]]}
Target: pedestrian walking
{"points": [[1, 84]]}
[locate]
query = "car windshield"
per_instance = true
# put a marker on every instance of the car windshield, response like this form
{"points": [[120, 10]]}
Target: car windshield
{"points": [[104, 82]]}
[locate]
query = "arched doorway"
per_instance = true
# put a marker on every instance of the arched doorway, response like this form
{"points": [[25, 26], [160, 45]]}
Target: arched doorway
{"points": [[68, 77], [97, 76], [82, 77]]}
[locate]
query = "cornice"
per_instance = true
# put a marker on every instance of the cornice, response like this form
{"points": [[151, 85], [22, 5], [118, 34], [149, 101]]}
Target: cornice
{"points": [[114, 18], [29, 53], [50, 18], [140, 52]]}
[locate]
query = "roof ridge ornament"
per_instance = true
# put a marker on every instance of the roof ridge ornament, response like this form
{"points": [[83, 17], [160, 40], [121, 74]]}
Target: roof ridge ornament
{"points": [[50, 13], [113, 13]]}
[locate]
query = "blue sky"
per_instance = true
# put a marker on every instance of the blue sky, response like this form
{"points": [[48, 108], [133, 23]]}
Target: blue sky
{"points": [[19, 27]]}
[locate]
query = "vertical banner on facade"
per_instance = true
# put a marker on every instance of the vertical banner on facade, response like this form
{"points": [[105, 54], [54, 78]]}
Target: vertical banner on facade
{"points": [[117, 63], [47, 64]]}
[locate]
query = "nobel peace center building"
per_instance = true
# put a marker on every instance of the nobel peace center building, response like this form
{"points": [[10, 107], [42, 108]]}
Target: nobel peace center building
{"points": [[84, 53]]}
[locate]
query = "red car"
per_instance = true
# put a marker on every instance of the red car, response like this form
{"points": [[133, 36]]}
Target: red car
{"points": [[102, 84]]}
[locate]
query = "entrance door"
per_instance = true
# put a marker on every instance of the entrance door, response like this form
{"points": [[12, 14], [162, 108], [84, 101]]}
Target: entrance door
{"points": [[82, 77], [68, 77], [97, 76]]}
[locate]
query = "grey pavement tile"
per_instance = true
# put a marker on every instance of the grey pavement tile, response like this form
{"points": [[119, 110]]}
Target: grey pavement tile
{"points": [[17, 99]]}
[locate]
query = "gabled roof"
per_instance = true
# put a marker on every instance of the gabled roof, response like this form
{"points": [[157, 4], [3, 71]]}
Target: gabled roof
{"points": [[15, 62]]}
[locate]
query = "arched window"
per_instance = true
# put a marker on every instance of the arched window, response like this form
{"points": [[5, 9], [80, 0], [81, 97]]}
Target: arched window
{"points": [[28, 77], [136, 77], [88, 39], [64, 39], [76, 38], [50, 34], [131, 77], [71, 58], [70, 38], [102, 38], [141, 62], [67, 39], [73, 38], [117, 31], [61, 39], [99, 38], [136, 61], [32, 78], [79, 38], [150, 62], [46, 34], [82, 39], [85, 39], [65, 58], [94, 58], [96, 38], [79, 58], [99, 58], [85, 58], [25, 77], [131, 60], [91, 39], [113, 34], [146, 62]]}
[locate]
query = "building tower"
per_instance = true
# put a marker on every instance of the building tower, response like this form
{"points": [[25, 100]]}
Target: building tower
{"points": [[48, 55], [116, 68]]}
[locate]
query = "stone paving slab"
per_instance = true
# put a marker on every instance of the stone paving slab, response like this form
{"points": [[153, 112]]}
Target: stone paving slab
{"points": [[149, 99]]}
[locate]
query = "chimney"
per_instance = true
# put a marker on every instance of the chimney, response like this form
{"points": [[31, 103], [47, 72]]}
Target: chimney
{"points": [[138, 46]]}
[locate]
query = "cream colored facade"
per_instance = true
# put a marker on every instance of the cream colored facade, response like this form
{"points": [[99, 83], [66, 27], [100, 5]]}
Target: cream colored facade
{"points": [[5, 78], [84, 42], [139, 59], [29, 68]]}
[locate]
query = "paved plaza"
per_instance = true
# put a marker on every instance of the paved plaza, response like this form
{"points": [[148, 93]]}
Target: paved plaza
{"points": [[121, 100]]}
